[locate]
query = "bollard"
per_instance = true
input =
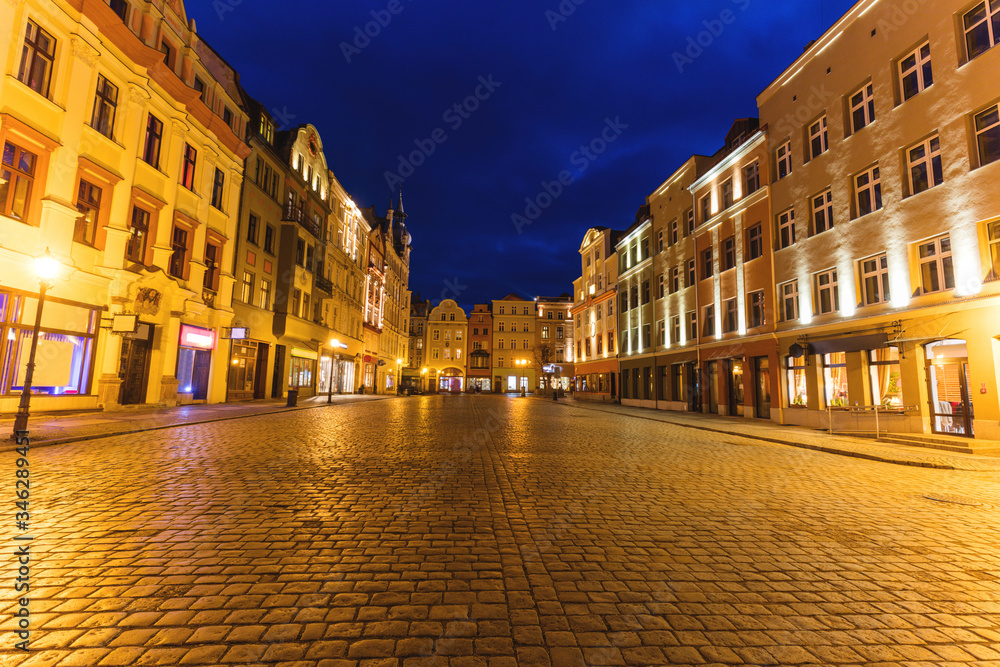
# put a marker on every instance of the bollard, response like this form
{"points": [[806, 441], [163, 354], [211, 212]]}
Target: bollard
{"points": [[293, 398]]}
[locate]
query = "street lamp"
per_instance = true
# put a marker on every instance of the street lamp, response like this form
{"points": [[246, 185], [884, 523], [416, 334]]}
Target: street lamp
{"points": [[399, 374], [521, 363], [46, 269], [336, 345]]}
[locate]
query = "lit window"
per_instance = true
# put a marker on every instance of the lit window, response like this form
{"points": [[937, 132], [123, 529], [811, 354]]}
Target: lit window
{"points": [[936, 270], [868, 191], [885, 374], [822, 205], [783, 159], [827, 296], [982, 28], [265, 300], [105, 106], [88, 203], [862, 108], [798, 393], [915, 72], [819, 138], [36, 59], [17, 176], [875, 278], [789, 300], [924, 165], [988, 135], [835, 379], [786, 228]]}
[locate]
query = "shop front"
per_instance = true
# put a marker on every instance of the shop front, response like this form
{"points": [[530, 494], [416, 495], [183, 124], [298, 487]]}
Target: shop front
{"points": [[678, 382], [64, 358], [479, 385], [194, 362], [948, 388], [451, 381], [637, 382], [247, 379], [302, 371]]}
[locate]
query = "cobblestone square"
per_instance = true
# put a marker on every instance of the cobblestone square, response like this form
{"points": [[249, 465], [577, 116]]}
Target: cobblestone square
{"points": [[495, 531]]}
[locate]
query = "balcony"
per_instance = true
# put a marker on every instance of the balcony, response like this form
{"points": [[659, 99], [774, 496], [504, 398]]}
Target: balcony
{"points": [[292, 213], [324, 285]]}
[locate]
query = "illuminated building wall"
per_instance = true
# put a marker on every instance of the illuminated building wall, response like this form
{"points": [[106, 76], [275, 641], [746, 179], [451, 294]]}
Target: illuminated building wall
{"points": [[594, 316]]}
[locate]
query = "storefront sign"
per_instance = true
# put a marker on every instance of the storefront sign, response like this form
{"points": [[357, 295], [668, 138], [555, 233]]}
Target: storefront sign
{"points": [[196, 337], [304, 354], [124, 324], [239, 333]]}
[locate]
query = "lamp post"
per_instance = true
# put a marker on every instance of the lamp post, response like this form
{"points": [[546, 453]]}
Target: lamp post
{"points": [[46, 268], [520, 363], [423, 379], [334, 357], [399, 374]]}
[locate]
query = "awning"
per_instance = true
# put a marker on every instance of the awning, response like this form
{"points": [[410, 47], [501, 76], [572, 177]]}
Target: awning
{"points": [[847, 344]]}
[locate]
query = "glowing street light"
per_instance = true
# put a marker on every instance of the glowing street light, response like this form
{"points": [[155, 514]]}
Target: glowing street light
{"points": [[334, 358], [47, 268]]}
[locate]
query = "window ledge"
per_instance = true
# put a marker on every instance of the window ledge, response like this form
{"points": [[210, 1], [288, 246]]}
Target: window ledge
{"points": [[46, 101]]}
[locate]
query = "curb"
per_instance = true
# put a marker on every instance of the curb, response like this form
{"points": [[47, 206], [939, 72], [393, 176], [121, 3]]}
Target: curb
{"points": [[799, 445], [10, 445]]}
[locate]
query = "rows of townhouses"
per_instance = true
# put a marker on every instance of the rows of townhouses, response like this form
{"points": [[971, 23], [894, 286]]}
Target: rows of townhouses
{"points": [[839, 254], [206, 255], [514, 344]]}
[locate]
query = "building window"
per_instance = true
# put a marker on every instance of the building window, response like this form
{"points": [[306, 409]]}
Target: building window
{"points": [[915, 72], [266, 129], [190, 162], [17, 176], [692, 325], [135, 247], [88, 203], [709, 321], [786, 229], [675, 280], [689, 223], [936, 271], [265, 295], [835, 379], [120, 7], [729, 253], [884, 368], [36, 59], [862, 108], [545, 333], [611, 342], [559, 333], [659, 244], [783, 159], [751, 178], [822, 206], [246, 288], [827, 296], [706, 208], [924, 165], [731, 322], [199, 86], [253, 228], [269, 239], [691, 280], [868, 191], [994, 234], [727, 194], [789, 293], [661, 333], [755, 242], [819, 138], [675, 329], [645, 291], [988, 134], [796, 379], [707, 265], [154, 138], [661, 286], [875, 278], [674, 229], [218, 185], [227, 116], [178, 255], [757, 318], [982, 27], [105, 107], [647, 337]]}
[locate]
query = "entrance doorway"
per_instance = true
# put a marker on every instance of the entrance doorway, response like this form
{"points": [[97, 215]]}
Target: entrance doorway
{"points": [[736, 387], [712, 378], [762, 400], [133, 367], [948, 388]]}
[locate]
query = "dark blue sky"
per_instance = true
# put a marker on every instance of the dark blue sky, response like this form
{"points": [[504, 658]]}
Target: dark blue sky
{"points": [[555, 80]]}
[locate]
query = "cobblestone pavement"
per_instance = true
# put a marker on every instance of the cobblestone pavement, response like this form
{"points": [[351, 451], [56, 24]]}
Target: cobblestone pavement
{"points": [[498, 531]]}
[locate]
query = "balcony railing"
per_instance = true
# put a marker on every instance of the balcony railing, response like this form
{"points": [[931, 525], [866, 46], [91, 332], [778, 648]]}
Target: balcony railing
{"points": [[324, 285], [292, 213]]}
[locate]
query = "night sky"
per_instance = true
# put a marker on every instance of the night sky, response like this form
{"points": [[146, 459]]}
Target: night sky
{"points": [[624, 79]]}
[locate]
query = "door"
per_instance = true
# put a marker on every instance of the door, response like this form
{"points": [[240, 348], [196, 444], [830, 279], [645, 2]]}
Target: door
{"points": [[762, 401], [277, 380], [736, 388], [132, 371], [951, 407], [693, 387], [712, 378], [199, 376], [260, 380]]}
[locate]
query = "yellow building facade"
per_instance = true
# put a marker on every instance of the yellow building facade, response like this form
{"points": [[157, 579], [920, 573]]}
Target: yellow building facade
{"points": [[447, 348], [123, 156]]}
